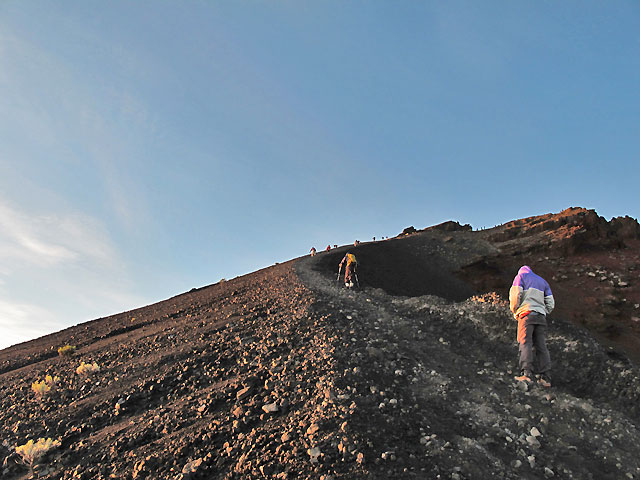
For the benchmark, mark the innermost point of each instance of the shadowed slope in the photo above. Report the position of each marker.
(421, 264)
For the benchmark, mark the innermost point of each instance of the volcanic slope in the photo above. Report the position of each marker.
(281, 374)
(592, 264)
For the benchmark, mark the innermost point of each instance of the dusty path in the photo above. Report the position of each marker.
(433, 383)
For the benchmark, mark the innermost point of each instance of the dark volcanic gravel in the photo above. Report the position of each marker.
(280, 374)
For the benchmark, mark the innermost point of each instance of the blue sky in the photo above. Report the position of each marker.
(150, 147)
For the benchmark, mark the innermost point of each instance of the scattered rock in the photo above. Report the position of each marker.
(314, 454)
(243, 393)
(191, 468)
(270, 407)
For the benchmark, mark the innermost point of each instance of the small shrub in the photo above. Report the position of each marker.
(32, 451)
(45, 386)
(493, 298)
(87, 368)
(40, 388)
(67, 351)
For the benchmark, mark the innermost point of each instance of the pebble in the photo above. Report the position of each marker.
(388, 456)
(244, 393)
(314, 453)
(533, 441)
(270, 408)
(238, 412)
(192, 467)
(313, 428)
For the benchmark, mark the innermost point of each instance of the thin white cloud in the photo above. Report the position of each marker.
(25, 239)
(58, 266)
(53, 111)
(58, 269)
(20, 322)
(46, 240)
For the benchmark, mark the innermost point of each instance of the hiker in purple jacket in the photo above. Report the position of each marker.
(531, 300)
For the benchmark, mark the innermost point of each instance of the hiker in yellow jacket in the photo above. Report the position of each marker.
(350, 269)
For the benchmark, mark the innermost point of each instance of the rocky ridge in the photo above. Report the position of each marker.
(592, 264)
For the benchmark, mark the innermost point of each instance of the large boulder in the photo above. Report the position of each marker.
(451, 226)
(408, 231)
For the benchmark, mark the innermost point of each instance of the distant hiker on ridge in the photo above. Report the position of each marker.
(313, 251)
(328, 248)
(531, 300)
(350, 269)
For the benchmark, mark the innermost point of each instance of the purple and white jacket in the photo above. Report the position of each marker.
(530, 293)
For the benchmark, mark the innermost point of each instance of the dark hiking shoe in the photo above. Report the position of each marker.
(525, 377)
(544, 381)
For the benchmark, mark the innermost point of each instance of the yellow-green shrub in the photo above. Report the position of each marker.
(32, 451)
(43, 387)
(40, 388)
(87, 368)
(67, 350)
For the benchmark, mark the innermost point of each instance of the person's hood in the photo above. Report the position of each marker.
(524, 269)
